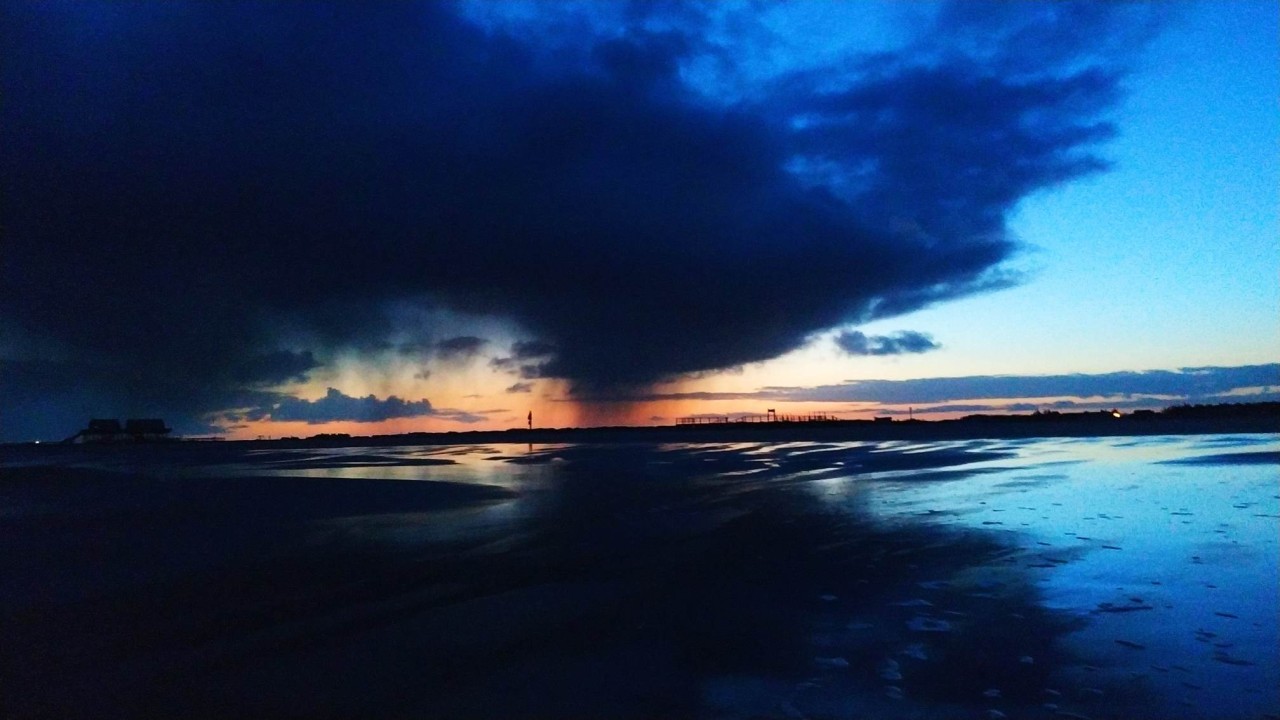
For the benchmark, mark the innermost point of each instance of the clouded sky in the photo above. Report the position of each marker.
(288, 218)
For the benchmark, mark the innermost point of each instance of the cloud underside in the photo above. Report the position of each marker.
(335, 406)
(958, 394)
(907, 342)
(184, 200)
(462, 347)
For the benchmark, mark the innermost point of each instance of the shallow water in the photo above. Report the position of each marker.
(1110, 577)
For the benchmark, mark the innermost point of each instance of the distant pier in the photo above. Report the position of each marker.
(768, 417)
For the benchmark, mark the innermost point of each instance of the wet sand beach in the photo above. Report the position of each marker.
(1019, 577)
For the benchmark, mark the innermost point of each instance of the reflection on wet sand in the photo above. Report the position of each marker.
(1073, 578)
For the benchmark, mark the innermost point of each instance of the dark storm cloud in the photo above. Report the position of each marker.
(463, 347)
(189, 185)
(336, 406)
(906, 342)
(528, 349)
(528, 360)
(1204, 384)
(525, 371)
(275, 368)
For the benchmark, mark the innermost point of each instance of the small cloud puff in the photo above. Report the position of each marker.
(335, 406)
(905, 342)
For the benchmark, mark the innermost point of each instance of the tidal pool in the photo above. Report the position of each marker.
(1111, 577)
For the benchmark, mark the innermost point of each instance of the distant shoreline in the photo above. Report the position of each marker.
(838, 431)
(972, 428)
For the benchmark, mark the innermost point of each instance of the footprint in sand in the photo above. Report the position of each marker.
(916, 651)
(891, 675)
(831, 663)
(1228, 659)
(921, 623)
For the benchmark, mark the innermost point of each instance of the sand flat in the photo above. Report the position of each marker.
(954, 578)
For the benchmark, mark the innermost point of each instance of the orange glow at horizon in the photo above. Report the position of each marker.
(474, 397)
(547, 413)
(550, 413)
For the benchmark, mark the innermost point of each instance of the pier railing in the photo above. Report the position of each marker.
(766, 418)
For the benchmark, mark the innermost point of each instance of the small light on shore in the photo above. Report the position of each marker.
(1115, 413)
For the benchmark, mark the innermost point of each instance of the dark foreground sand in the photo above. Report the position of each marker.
(1127, 577)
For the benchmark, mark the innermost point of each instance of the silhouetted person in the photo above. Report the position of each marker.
(530, 419)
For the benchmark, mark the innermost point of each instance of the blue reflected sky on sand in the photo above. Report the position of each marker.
(976, 578)
(1172, 565)
(1166, 546)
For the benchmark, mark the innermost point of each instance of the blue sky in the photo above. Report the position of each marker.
(1170, 259)
(443, 216)
(1167, 260)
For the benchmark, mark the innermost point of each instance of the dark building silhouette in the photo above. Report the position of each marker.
(146, 429)
(100, 431)
(134, 430)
